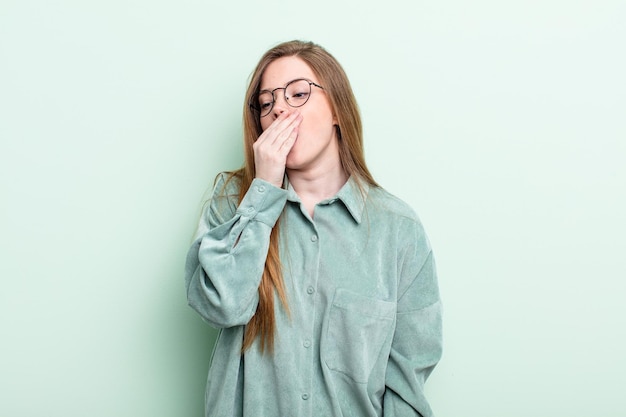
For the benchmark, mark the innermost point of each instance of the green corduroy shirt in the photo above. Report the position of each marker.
(364, 329)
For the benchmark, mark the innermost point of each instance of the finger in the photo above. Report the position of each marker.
(279, 120)
(269, 135)
(287, 136)
(288, 143)
(283, 126)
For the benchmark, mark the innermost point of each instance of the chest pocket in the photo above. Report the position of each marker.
(358, 328)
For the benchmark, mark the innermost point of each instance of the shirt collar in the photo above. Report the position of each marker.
(353, 195)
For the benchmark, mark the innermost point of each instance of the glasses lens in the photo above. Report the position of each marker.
(265, 102)
(297, 93)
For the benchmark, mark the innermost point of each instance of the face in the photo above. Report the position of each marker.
(316, 144)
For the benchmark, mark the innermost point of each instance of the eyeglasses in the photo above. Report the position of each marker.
(296, 93)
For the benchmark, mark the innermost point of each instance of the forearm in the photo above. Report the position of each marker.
(414, 354)
(225, 265)
(417, 344)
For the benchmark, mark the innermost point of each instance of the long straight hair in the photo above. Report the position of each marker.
(350, 136)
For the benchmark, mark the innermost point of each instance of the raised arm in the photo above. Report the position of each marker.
(226, 260)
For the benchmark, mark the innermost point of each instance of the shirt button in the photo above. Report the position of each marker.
(250, 210)
(305, 396)
(261, 188)
(310, 290)
(307, 344)
(314, 238)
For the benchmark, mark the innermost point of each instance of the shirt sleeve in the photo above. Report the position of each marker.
(225, 263)
(417, 343)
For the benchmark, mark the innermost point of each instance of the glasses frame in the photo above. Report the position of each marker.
(254, 102)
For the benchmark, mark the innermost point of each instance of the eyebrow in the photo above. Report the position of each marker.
(297, 78)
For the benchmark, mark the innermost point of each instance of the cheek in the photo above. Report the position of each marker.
(265, 122)
(317, 124)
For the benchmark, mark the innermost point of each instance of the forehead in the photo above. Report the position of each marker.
(283, 70)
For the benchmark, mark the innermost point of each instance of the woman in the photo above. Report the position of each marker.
(322, 283)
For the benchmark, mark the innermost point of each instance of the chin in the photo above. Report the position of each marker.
(292, 160)
(293, 163)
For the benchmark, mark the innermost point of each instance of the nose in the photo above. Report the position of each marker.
(280, 104)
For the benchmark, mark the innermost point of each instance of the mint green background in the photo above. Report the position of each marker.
(502, 123)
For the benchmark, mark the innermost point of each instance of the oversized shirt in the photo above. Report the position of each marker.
(364, 329)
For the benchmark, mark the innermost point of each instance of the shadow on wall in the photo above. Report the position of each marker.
(184, 342)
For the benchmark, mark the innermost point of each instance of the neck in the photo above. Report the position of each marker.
(321, 185)
(313, 187)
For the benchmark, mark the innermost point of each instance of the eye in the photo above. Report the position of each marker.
(298, 92)
(300, 95)
(265, 100)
